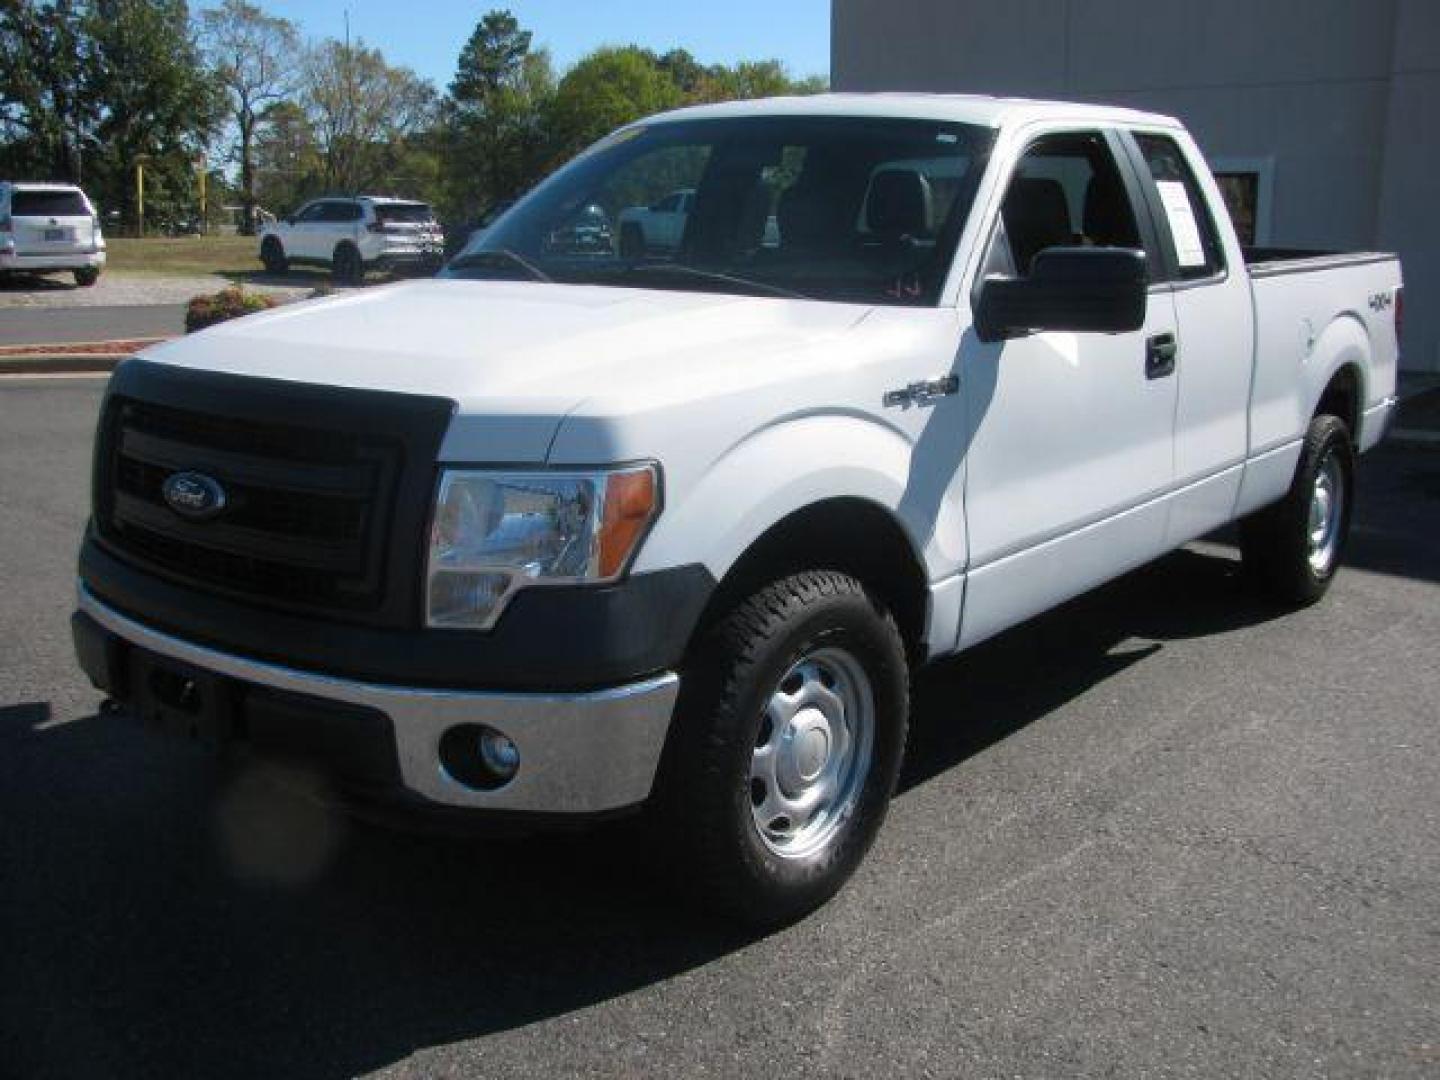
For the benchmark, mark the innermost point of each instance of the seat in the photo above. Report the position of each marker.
(1036, 217)
(900, 205)
(811, 214)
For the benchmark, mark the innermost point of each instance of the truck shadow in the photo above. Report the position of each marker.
(966, 704)
(163, 917)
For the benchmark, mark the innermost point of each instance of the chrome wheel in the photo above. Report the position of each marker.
(812, 752)
(1327, 506)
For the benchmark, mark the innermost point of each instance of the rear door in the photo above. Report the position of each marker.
(1215, 334)
(1070, 434)
(51, 221)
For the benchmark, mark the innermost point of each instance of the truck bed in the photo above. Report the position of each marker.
(1271, 261)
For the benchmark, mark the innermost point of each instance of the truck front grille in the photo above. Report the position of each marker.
(310, 515)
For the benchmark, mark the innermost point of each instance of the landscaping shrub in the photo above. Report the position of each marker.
(231, 303)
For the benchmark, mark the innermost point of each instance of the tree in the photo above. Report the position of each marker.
(47, 114)
(493, 140)
(605, 90)
(157, 104)
(365, 113)
(288, 165)
(491, 58)
(255, 59)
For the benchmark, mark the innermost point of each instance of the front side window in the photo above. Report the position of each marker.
(1184, 213)
(855, 209)
(1066, 191)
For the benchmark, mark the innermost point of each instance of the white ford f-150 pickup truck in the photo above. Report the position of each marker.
(569, 532)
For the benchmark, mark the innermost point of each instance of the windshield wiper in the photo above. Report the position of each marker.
(491, 255)
(668, 269)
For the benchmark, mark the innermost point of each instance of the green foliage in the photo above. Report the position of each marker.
(160, 106)
(231, 303)
(606, 89)
(47, 115)
(491, 139)
(506, 121)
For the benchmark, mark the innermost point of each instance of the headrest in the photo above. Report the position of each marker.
(900, 203)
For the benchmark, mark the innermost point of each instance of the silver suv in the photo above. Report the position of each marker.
(45, 228)
(353, 235)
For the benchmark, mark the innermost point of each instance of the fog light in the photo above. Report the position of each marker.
(500, 755)
(478, 757)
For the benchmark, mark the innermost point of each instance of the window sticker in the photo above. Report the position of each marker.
(1181, 215)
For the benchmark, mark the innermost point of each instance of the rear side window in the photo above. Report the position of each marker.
(1183, 211)
(48, 204)
(404, 213)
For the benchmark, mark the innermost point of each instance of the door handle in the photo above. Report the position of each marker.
(1160, 353)
(922, 393)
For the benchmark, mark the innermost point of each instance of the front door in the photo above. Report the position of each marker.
(1070, 434)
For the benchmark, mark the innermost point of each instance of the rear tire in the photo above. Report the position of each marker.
(272, 254)
(346, 266)
(1292, 549)
(787, 742)
(87, 276)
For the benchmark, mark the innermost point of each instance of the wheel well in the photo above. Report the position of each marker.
(853, 536)
(1342, 398)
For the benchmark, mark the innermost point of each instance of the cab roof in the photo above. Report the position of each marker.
(962, 108)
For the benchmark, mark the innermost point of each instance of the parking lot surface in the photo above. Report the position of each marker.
(1163, 831)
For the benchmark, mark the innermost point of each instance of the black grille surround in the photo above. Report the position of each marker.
(328, 489)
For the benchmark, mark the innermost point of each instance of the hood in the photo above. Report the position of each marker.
(516, 357)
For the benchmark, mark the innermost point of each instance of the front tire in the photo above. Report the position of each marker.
(87, 276)
(346, 266)
(788, 739)
(1292, 550)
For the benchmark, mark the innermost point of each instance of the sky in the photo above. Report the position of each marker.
(427, 35)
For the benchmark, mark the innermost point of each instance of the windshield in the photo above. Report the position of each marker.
(858, 209)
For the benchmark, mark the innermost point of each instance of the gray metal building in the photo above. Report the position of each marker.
(1321, 117)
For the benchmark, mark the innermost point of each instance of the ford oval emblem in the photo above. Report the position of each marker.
(193, 495)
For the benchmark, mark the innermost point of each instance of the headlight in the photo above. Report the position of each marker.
(495, 533)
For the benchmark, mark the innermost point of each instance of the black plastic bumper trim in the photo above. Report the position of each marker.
(549, 639)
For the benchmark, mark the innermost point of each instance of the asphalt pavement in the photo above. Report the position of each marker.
(68, 326)
(1162, 831)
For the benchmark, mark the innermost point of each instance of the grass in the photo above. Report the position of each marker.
(229, 256)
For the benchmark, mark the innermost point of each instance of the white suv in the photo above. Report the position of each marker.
(353, 235)
(50, 227)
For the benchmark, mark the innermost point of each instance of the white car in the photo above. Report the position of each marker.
(657, 227)
(562, 534)
(353, 235)
(50, 228)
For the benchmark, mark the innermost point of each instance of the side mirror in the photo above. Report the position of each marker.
(1082, 289)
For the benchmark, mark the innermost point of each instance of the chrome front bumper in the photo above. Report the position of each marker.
(581, 753)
